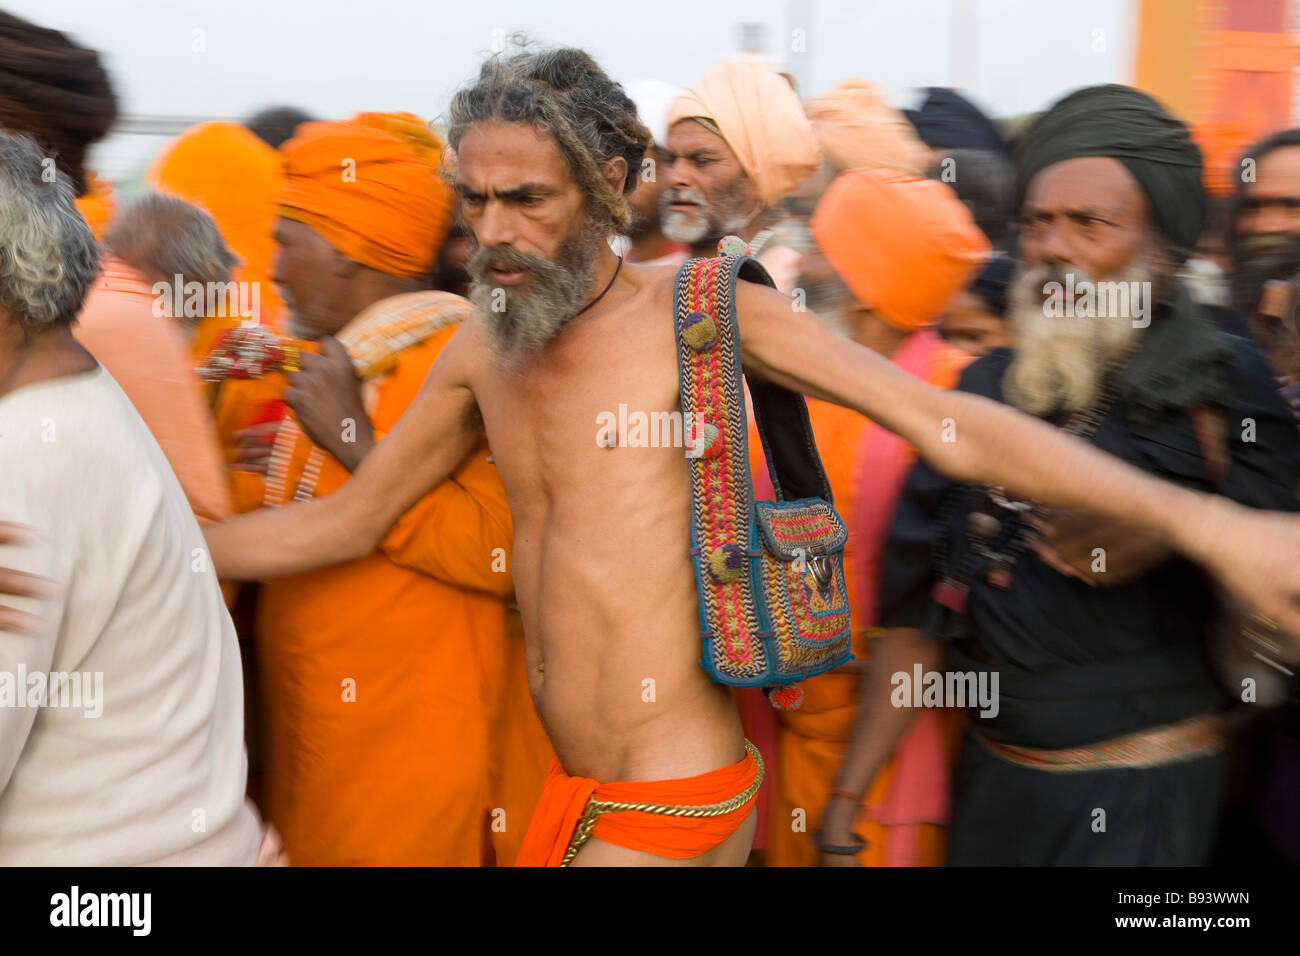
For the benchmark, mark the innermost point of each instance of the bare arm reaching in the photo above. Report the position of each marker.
(1256, 554)
(431, 439)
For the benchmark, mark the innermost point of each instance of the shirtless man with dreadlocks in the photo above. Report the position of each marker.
(547, 149)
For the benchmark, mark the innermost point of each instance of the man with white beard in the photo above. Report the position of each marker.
(740, 144)
(1108, 745)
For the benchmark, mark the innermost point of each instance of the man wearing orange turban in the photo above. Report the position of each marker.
(742, 143)
(390, 684)
(892, 250)
(382, 207)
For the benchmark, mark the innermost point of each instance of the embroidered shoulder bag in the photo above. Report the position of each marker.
(773, 604)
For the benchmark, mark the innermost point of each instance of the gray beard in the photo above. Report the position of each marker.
(1060, 362)
(725, 215)
(524, 320)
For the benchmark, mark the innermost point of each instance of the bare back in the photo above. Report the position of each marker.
(601, 563)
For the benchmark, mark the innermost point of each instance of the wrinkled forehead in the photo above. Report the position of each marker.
(498, 157)
(1086, 184)
(690, 136)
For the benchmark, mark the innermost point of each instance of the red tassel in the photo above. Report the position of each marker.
(788, 697)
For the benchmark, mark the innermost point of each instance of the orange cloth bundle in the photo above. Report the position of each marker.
(565, 799)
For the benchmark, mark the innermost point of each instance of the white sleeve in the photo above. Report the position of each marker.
(22, 652)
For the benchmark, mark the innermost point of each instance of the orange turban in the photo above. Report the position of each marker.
(762, 121)
(371, 187)
(227, 170)
(857, 128)
(904, 246)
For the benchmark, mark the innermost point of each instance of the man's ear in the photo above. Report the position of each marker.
(615, 173)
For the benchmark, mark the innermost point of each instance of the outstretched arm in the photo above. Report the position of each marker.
(430, 440)
(1256, 554)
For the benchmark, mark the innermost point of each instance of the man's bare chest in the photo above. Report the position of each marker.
(571, 416)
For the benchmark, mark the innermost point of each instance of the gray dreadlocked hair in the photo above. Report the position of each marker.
(562, 92)
(48, 258)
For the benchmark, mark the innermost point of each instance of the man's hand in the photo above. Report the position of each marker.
(433, 437)
(1070, 541)
(326, 397)
(1254, 554)
(837, 830)
(20, 584)
(254, 446)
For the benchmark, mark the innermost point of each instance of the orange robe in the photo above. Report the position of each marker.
(148, 357)
(383, 679)
(900, 829)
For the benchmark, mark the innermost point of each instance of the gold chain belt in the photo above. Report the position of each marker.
(596, 807)
(1195, 737)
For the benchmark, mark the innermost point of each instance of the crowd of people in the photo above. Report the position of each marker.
(308, 555)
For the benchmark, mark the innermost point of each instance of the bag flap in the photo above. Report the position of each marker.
(807, 528)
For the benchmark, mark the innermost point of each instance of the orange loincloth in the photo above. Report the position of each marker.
(565, 798)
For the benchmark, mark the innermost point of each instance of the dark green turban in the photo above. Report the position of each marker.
(1128, 125)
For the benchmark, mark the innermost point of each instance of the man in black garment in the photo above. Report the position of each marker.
(1105, 747)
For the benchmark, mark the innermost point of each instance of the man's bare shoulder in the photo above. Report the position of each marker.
(467, 353)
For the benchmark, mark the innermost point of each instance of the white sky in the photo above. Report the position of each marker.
(334, 57)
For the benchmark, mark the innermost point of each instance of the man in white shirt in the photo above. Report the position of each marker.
(121, 705)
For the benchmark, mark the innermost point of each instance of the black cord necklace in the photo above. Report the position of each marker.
(602, 295)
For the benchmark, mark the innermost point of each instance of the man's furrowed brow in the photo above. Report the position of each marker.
(1098, 210)
(525, 190)
(522, 191)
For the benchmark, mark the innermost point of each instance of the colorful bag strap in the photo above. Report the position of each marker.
(710, 374)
